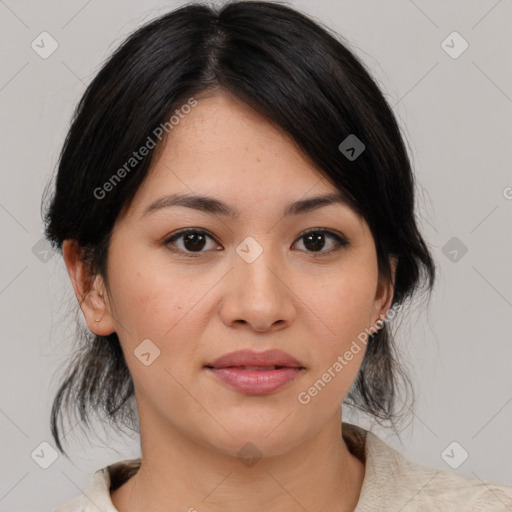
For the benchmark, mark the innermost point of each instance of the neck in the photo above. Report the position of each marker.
(318, 475)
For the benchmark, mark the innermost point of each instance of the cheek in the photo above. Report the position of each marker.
(149, 300)
(152, 303)
(343, 303)
(343, 306)
(155, 309)
(171, 307)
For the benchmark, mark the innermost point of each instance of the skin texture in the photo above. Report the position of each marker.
(197, 309)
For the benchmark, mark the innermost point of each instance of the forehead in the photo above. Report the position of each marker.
(223, 148)
(225, 137)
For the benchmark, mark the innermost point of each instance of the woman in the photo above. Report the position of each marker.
(235, 207)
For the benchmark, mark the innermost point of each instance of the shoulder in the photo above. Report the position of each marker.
(404, 485)
(97, 494)
(418, 487)
(95, 497)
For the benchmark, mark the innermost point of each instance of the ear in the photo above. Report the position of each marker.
(90, 291)
(384, 294)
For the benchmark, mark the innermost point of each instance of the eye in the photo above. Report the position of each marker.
(193, 241)
(314, 241)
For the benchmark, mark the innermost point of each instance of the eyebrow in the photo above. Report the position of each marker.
(217, 207)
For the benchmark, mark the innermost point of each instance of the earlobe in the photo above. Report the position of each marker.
(90, 291)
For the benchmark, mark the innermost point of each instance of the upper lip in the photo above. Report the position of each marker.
(246, 357)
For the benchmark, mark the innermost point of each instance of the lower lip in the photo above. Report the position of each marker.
(256, 382)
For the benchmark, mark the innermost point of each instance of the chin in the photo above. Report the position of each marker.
(253, 441)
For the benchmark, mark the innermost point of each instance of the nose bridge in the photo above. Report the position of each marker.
(257, 295)
(257, 262)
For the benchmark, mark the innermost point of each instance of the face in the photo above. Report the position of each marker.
(198, 284)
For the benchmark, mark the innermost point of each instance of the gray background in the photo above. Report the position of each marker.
(456, 116)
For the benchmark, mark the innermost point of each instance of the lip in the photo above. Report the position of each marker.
(255, 382)
(246, 357)
(231, 369)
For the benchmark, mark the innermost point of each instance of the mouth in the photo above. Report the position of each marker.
(254, 368)
(256, 373)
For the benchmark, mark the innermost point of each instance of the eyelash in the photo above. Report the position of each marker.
(340, 241)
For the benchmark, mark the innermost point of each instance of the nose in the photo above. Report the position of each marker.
(259, 293)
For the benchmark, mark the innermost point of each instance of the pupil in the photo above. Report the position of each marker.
(316, 240)
(199, 239)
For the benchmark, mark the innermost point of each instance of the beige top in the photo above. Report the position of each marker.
(391, 483)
